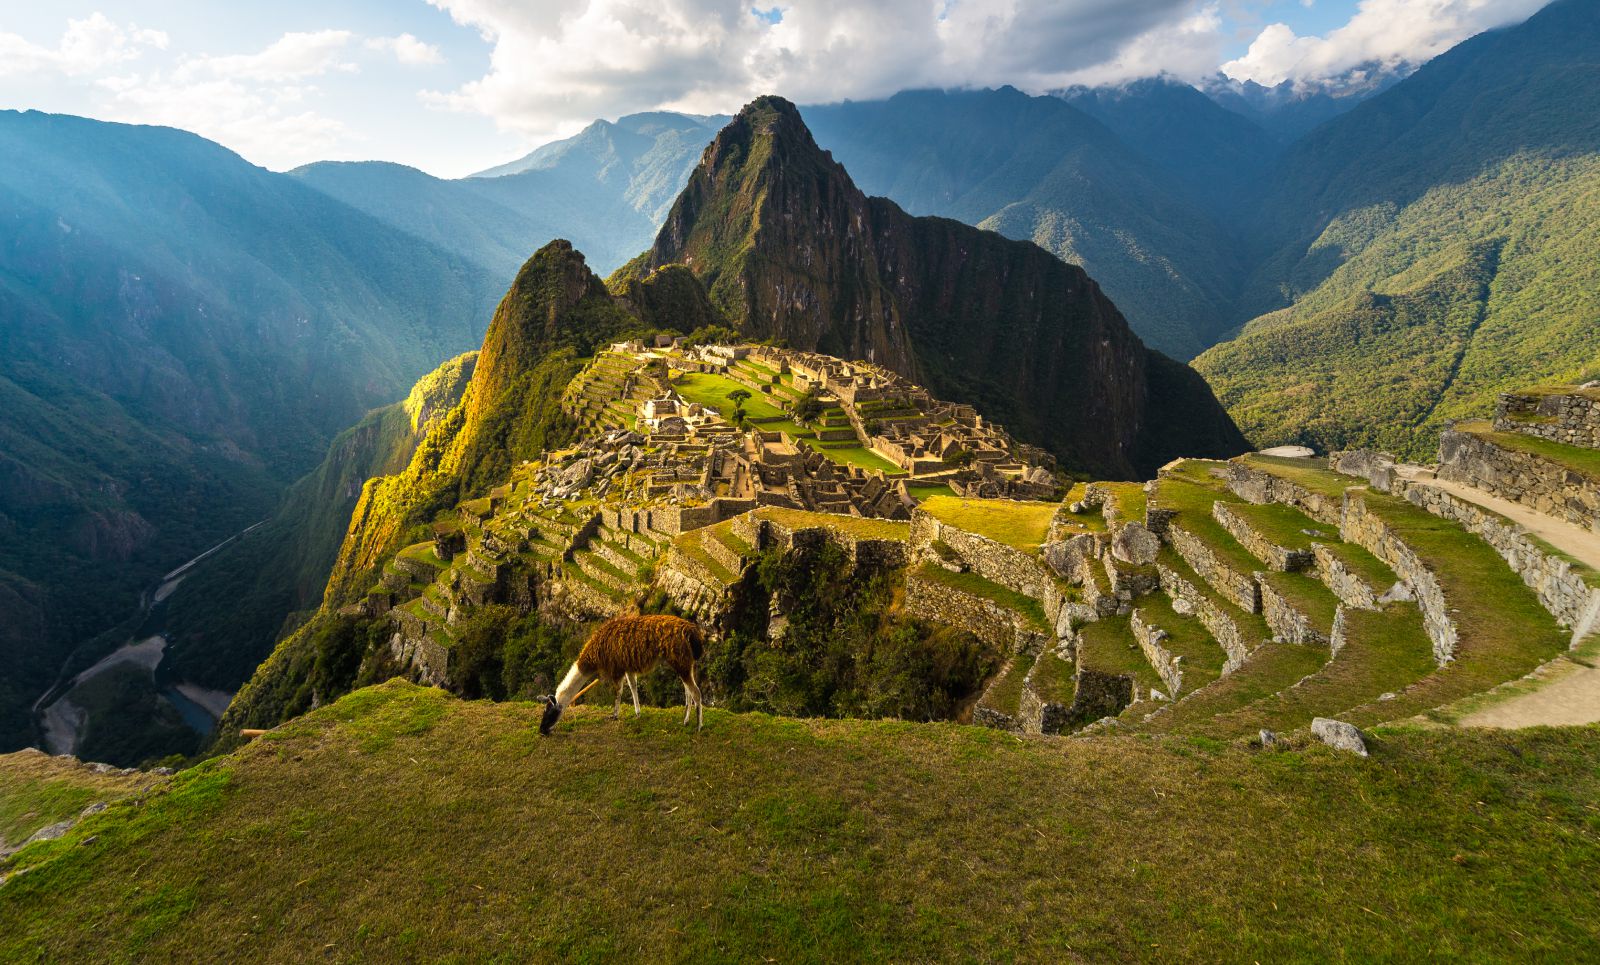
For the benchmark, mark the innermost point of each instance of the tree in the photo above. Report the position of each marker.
(809, 407)
(738, 397)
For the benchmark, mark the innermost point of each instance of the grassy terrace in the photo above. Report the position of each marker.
(723, 533)
(1251, 626)
(821, 840)
(975, 585)
(859, 456)
(1107, 645)
(1371, 570)
(1016, 523)
(1192, 491)
(712, 391)
(1584, 462)
(1387, 651)
(1005, 693)
(921, 492)
(1284, 525)
(1129, 498)
(1313, 474)
(689, 545)
(1053, 678)
(854, 526)
(1202, 656)
(1504, 632)
(1270, 668)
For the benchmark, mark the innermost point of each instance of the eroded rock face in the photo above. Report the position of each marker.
(1339, 735)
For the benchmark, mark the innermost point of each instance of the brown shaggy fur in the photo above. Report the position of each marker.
(635, 644)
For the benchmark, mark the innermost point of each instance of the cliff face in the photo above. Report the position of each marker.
(789, 248)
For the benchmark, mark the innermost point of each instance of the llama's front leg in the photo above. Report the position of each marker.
(616, 709)
(688, 703)
(633, 685)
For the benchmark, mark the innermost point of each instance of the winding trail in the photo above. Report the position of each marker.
(1565, 690)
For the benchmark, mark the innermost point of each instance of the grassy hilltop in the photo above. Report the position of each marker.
(403, 823)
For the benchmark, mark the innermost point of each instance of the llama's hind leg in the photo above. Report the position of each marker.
(633, 685)
(692, 688)
(616, 709)
(688, 702)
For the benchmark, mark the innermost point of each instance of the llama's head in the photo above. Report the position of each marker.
(552, 713)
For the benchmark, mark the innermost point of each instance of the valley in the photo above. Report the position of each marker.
(1151, 520)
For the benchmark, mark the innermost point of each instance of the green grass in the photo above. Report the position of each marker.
(1283, 525)
(923, 491)
(1107, 645)
(1015, 523)
(1387, 651)
(975, 585)
(1368, 568)
(1053, 678)
(1270, 668)
(854, 526)
(1312, 474)
(822, 840)
(712, 391)
(689, 545)
(1202, 656)
(1504, 632)
(37, 790)
(1252, 628)
(1129, 499)
(1005, 693)
(1584, 462)
(861, 457)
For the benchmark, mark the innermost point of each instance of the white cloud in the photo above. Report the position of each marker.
(1385, 33)
(408, 50)
(290, 57)
(88, 45)
(556, 66)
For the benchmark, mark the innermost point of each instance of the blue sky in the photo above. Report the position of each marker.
(453, 86)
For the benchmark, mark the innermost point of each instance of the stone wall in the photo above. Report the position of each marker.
(983, 618)
(1237, 588)
(1278, 557)
(1286, 621)
(1255, 486)
(1560, 585)
(1520, 477)
(1012, 568)
(1371, 533)
(1167, 666)
(1351, 589)
(1572, 419)
(1222, 627)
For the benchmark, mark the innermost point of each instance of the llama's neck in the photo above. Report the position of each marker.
(571, 684)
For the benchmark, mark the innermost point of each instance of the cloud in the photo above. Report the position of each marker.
(555, 66)
(1381, 33)
(256, 103)
(408, 50)
(290, 57)
(88, 45)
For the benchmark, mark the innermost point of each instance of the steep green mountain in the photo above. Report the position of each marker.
(606, 188)
(181, 333)
(1438, 247)
(223, 620)
(788, 247)
(1216, 156)
(1040, 169)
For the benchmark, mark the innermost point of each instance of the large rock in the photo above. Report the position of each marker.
(1339, 735)
(1135, 545)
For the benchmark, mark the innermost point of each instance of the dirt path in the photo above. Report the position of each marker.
(1565, 690)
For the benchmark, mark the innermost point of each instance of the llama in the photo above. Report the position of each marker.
(620, 650)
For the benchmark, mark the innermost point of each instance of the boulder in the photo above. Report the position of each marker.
(1339, 735)
(1135, 545)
